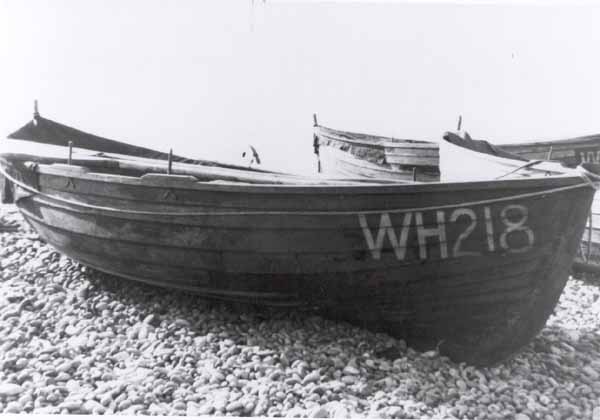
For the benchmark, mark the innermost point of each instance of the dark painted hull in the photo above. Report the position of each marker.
(429, 262)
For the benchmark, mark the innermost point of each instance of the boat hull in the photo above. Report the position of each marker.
(463, 266)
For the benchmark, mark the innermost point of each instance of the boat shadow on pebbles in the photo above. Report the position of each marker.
(79, 341)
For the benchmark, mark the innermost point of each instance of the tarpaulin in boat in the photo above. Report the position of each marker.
(481, 146)
(44, 130)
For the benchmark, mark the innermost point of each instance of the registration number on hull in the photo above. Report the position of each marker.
(474, 233)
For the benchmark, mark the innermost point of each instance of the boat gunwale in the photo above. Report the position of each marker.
(374, 141)
(563, 179)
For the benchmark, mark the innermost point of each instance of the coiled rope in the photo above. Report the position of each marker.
(585, 175)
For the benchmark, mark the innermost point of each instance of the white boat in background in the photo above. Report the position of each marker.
(478, 160)
(356, 155)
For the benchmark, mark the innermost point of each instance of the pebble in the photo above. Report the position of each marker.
(319, 412)
(588, 370)
(348, 380)
(21, 363)
(93, 407)
(10, 389)
(351, 370)
(234, 406)
(311, 377)
(78, 341)
(72, 404)
(65, 367)
(13, 407)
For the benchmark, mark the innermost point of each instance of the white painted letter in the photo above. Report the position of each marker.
(423, 234)
(386, 228)
(457, 252)
(518, 226)
(489, 228)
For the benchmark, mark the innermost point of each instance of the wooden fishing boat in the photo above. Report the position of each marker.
(346, 154)
(474, 268)
(478, 160)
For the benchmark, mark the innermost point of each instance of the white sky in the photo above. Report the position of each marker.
(209, 77)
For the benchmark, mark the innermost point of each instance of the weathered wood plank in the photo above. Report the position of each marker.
(412, 160)
(412, 152)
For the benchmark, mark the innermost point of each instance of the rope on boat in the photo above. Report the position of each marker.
(527, 165)
(586, 175)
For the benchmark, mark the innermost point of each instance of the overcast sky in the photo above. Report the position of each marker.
(207, 78)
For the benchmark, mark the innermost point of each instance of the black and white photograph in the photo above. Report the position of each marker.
(300, 209)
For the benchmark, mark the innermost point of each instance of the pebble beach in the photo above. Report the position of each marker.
(77, 341)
